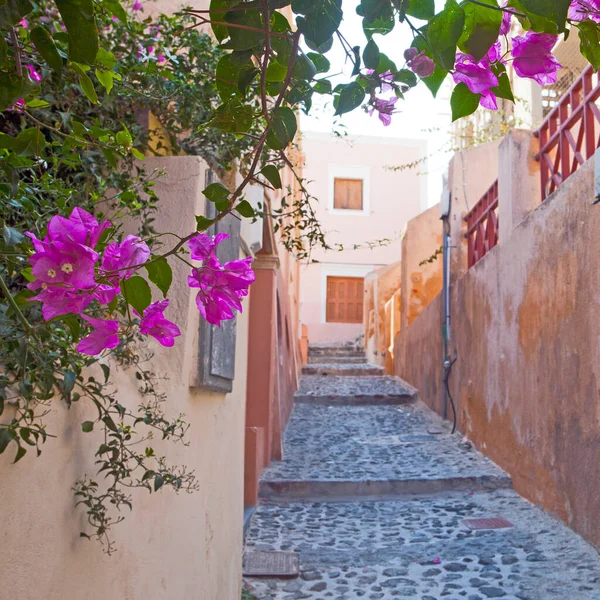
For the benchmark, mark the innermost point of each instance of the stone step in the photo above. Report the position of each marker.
(342, 369)
(342, 452)
(339, 360)
(336, 351)
(315, 490)
(355, 391)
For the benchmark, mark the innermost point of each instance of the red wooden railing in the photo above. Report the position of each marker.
(482, 226)
(570, 135)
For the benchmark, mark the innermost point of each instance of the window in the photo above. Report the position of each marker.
(345, 297)
(348, 194)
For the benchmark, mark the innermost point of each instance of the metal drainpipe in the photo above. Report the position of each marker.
(446, 331)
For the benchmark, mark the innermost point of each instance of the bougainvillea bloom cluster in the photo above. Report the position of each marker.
(72, 268)
(220, 287)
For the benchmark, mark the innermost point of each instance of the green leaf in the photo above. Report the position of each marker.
(245, 209)
(275, 71)
(6, 436)
(29, 142)
(11, 236)
(463, 101)
(37, 103)
(78, 17)
(420, 9)
(548, 16)
(283, 128)
(385, 64)
(321, 48)
(69, 379)
(503, 89)
(160, 274)
(74, 326)
(371, 55)
(322, 19)
(137, 293)
(322, 86)
(107, 420)
(482, 28)
(378, 17)
(271, 173)
(106, 59)
(406, 77)
(351, 97)
(106, 371)
(123, 137)
(137, 154)
(304, 68)
(44, 44)
(12, 11)
(3, 50)
(20, 454)
(589, 42)
(158, 482)
(435, 80)
(233, 117)
(114, 7)
(202, 223)
(12, 87)
(443, 33)
(228, 75)
(106, 79)
(244, 39)
(87, 426)
(321, 63)
(217, 16)
(216, 192)
(87, 87)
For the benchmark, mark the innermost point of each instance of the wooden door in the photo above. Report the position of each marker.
(345, 297)
(348, 194)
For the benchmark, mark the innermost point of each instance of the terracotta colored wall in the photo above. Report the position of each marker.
(170, 546)
(394, 198)
(526, 332)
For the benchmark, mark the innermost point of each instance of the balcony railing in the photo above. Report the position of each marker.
(482, 226)
(570, 135)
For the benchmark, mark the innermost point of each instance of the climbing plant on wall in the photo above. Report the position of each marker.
(74, 78)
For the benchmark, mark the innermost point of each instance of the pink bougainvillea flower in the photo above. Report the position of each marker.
(477, 77)
(17, 106)
(33, 74)
(150, 49)
(384, 108)
(105, 293)
(419, 62)
(161, 59)
(63, 264)
(124, 259)
(81, 228)
(137, 5)
(494, 54)
(221, 287)
(533, 58)
(203, 245)
(154, 323)
(60, 301)
(506, 20)
(102, 337)
(581, 10)
(24, 23)
(385, 79)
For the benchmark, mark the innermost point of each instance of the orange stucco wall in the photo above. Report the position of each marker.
(526, 332)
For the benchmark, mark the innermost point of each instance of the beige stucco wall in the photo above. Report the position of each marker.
(170, 547)
(393, 199)
(525, 330)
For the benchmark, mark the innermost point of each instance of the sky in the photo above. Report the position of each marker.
(419, 116)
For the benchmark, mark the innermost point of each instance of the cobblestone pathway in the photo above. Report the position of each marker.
(349, 497)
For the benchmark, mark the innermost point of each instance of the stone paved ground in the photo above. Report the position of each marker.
(406, 545)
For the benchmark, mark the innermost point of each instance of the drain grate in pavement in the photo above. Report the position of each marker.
(488, 523)
(263, 563)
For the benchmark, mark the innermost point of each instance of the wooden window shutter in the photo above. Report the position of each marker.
(345, 297)
(348, 194)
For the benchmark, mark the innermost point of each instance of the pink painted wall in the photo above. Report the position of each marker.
(393, 198)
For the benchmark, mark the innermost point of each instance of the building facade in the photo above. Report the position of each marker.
(362, 206)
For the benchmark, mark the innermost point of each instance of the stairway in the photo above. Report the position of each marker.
(376, 494)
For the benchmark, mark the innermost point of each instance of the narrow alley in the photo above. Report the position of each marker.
(381, 501)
